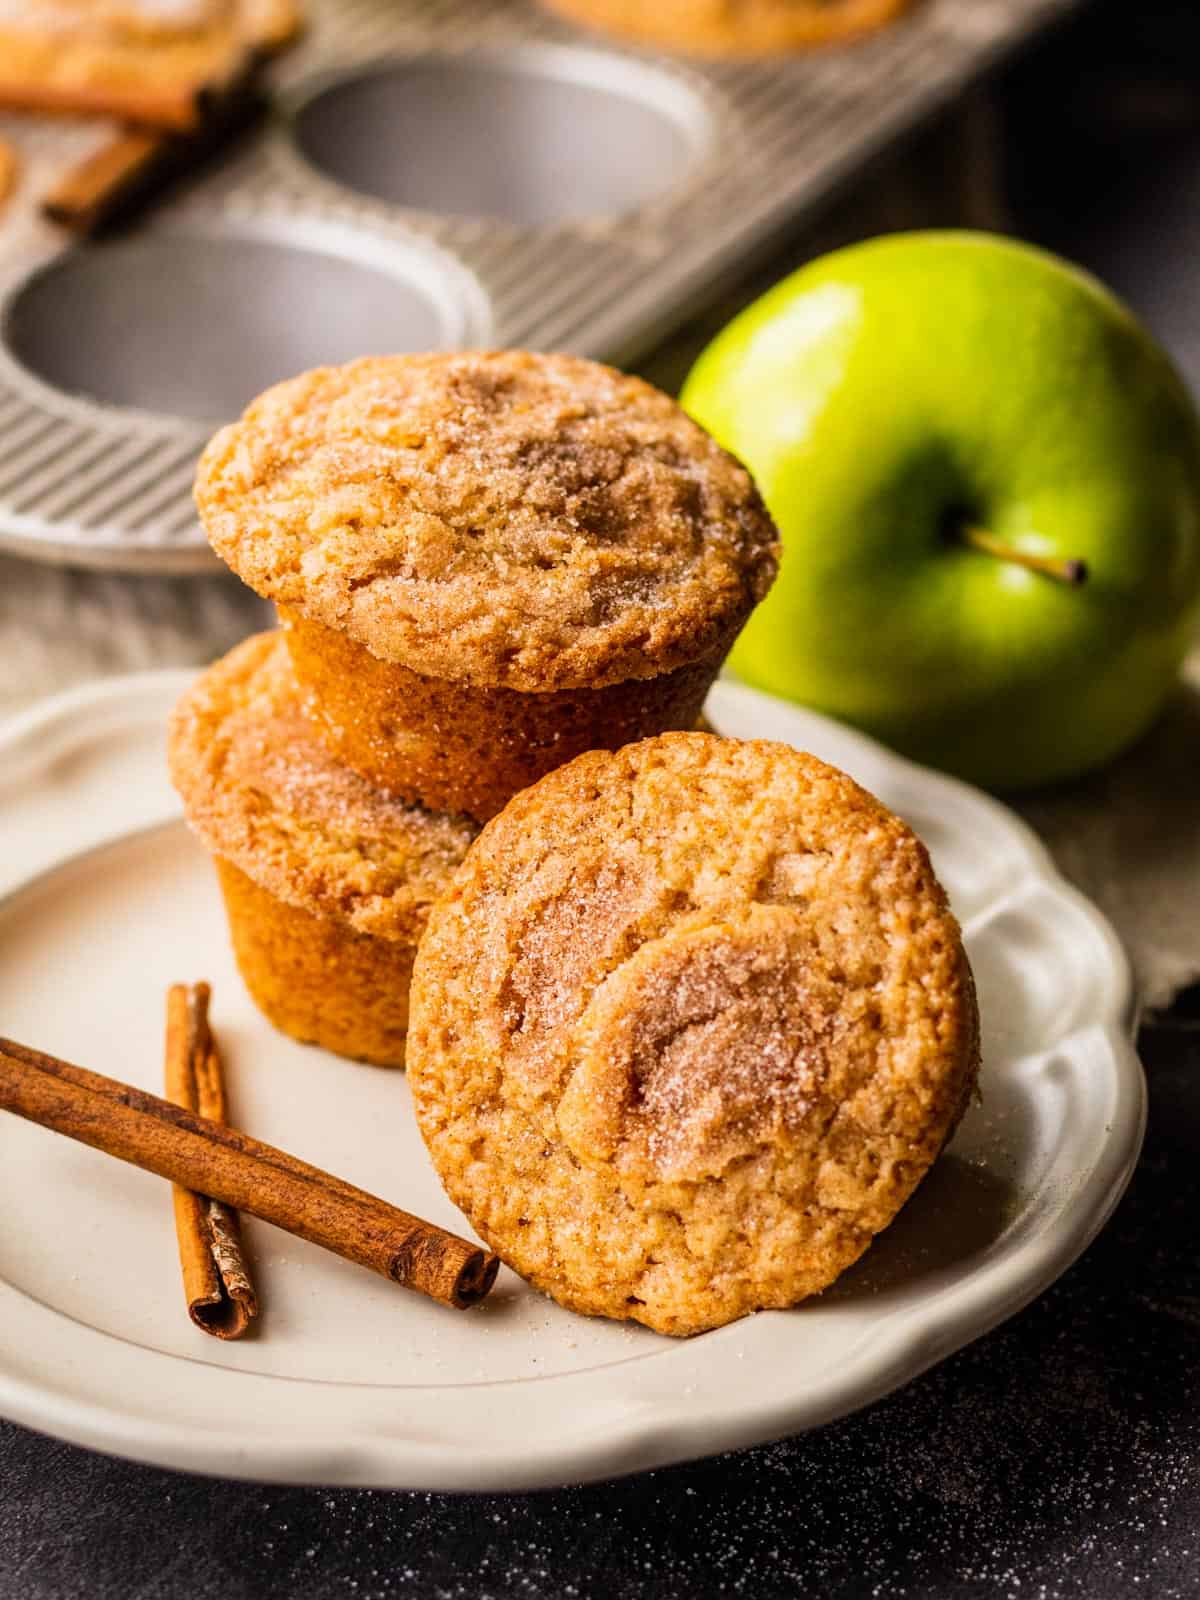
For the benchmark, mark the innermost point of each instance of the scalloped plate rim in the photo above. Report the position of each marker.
(648, 1434)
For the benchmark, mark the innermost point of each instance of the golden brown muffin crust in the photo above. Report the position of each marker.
(315, 977)
(262, 791)
(688, 1029)
(454, 746)
(735, 27)
(529, 521)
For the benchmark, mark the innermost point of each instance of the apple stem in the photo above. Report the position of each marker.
(1074, 573)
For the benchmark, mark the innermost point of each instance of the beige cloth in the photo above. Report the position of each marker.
(1129, 837)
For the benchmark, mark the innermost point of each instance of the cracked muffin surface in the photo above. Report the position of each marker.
(535, 522)
(688, 1029)
(264, 794)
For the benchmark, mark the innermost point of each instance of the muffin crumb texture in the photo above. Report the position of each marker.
(317, 979)
(527, 521)
(264, 794)
(689, 1028)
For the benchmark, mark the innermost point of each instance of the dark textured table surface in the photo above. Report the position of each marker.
(1060, 1456)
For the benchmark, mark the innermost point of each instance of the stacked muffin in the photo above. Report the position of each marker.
(485, 564)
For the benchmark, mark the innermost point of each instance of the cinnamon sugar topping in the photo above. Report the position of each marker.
(691, 1025)
(262, 791)
(528, 521)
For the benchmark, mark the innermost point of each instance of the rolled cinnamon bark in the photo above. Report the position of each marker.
(253, 1177)
(216, 1281)
(131, 171)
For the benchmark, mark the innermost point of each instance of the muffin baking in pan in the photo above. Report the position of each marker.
(735, 27)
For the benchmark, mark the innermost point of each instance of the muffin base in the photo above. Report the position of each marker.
(745, 27)
(319, 980)
(465, 748)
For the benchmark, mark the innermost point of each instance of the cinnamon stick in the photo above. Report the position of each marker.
(216, 1283)
(138, 163)
(105, 182)
(203, 1155)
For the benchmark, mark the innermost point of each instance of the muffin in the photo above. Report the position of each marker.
(688, 1029)
(327, 882)
(487, 563)
(734, 27)
(138, 60)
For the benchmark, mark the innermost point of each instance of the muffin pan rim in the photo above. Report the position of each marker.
(461, 303)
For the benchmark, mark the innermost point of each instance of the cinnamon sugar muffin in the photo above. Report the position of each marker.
(327, 883)
(689, 1028)
(487, 562)
(734, 27)
(140, 60)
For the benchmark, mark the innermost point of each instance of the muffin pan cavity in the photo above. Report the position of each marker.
(192, 321)
(531, 135)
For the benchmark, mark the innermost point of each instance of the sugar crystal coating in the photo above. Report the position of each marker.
(530, 521)
(688, 1029)
(263, 792)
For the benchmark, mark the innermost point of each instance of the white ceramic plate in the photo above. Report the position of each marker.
(106, 899)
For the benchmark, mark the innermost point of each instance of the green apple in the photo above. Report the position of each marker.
(987, 479)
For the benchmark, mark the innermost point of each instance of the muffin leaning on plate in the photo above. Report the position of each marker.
(688, 1029)
(327, 882)
(734, 27)
(487, 562)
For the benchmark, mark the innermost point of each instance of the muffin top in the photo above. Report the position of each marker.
(261, 790)
(688, 1029)
(534, 522)
(721, 27)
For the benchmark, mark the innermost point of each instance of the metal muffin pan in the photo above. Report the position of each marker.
(530, 135)
(189, 319)
(439, 174)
